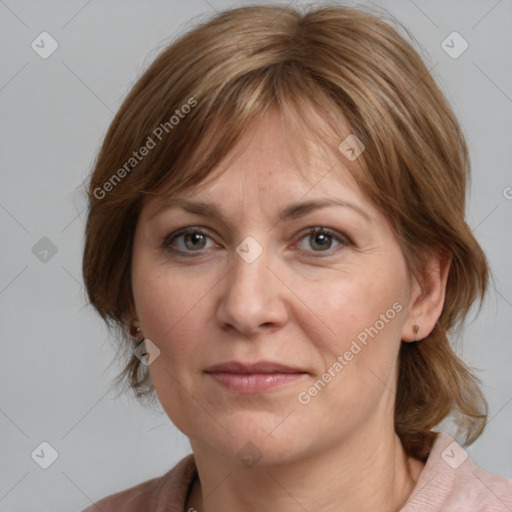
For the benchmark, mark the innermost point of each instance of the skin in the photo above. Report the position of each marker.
(301, 303)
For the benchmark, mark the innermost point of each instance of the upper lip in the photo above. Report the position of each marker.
(257, 367)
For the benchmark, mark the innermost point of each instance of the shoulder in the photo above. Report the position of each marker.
(451, 481)
(170, 489)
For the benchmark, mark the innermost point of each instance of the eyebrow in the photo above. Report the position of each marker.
(293, 211)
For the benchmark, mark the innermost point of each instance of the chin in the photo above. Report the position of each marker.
(257, 438)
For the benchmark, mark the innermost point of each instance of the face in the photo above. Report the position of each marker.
(277, 301)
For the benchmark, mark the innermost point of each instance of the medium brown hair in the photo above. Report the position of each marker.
(351, 69)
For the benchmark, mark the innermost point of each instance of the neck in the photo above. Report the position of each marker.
(371, 472)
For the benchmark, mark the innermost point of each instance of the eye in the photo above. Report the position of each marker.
(320, 239)
(188, 240)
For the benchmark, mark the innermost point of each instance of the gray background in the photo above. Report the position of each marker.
(56, 356)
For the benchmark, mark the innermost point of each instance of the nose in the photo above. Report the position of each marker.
(252, 298)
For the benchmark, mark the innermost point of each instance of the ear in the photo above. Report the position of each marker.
(427, 298)
(133, 323)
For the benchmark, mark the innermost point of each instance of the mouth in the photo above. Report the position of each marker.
(254, 378)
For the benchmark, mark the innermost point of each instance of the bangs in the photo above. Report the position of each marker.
(214, 135)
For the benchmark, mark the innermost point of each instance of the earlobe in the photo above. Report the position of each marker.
(133, 323)
(427, 300)
(135, 329)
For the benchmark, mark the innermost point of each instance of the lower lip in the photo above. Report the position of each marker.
(254, 382)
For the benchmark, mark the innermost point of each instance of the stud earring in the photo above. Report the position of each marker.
(135, 331)
(415, 329)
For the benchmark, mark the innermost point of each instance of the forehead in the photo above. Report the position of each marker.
(273, 159)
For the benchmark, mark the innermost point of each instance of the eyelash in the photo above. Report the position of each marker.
(343, 241)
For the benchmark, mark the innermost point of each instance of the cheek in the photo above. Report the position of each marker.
(363, 317)
(353, 306)
(168, 300)
(173, 314)
(360, 352)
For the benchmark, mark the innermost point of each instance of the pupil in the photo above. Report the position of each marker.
(321, 241)
(195, 241)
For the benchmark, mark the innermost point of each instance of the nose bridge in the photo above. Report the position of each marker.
(249, 266)
(248, 275)
(251, 296)
(250, 281)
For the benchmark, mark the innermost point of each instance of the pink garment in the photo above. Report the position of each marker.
(449, 482)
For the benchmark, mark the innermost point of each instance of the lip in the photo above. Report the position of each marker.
(253, 378)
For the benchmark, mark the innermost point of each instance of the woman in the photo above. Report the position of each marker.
(276, 226)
